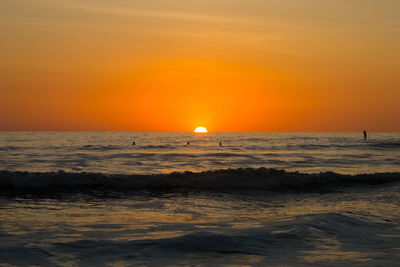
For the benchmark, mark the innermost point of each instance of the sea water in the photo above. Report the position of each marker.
(154, 153)
(258, 199)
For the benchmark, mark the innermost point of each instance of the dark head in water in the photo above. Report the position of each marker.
(134, 143)
(188, 143)
(365, 135)
(220, 143)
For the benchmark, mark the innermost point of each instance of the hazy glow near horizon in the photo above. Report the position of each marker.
(273, 65)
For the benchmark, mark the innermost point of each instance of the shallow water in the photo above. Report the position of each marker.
(354, 226)
(136, 214)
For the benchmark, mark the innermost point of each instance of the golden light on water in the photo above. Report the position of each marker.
(200, 130)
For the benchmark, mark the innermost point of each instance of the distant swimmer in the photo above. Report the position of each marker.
(134, 144)
(220, 143)
(188, 143)
(365, 135)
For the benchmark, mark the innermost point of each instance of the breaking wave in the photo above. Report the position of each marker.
(229, 179)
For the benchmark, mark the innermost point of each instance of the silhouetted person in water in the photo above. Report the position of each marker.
(365, 135)
(220, 144)
(134, 144)
(188, 143)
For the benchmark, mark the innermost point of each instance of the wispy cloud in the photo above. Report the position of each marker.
(154, 13)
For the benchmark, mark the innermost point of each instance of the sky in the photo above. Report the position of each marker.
(173, 65)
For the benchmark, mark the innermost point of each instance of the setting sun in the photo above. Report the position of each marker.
(200, 130)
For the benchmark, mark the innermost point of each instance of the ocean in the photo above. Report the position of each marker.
(186, 199)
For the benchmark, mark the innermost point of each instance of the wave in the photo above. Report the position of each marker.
(98, 147)
(228, 179)
(115, 147)
(385, 145)
(345, 238)
(157, 147)
(11, 148)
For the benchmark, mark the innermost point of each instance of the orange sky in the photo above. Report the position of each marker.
(173, 65)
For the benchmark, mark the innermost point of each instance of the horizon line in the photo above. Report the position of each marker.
(129, 131)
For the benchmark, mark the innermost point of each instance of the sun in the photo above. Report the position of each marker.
(200, 130)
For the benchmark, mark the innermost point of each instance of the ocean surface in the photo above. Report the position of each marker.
(182, 199)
